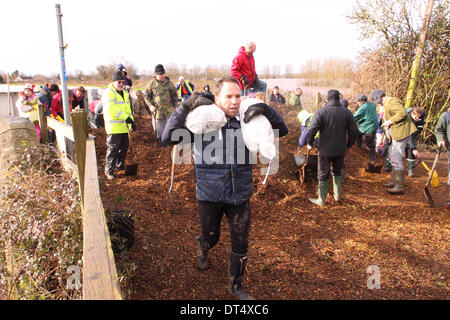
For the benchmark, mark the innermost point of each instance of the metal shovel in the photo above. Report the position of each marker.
(171, 202)
(154, 122)
(374, 164)
(430, 176)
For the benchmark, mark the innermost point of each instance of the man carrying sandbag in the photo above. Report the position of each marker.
(224, 185)
(333, 122)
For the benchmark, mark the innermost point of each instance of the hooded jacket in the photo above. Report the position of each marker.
(367, 117)
(224, 177)
(277, 98)
(243, 64)
(45, 98)
(334, 122)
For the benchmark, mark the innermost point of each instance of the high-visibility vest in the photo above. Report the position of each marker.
(116, 109)
(180, 89)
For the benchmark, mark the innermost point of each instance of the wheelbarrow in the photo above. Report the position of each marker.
(307, 165)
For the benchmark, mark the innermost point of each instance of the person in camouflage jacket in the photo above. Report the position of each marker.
(161, 97)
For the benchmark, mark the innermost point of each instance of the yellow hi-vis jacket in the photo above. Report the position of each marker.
(116, 110)
(180, 89)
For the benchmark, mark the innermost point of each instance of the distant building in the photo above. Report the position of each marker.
(23, 79)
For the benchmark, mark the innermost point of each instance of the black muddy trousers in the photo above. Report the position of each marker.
(323, 168)
(117, 145)
(238, 217)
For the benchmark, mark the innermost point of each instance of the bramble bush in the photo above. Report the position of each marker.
(40, 228)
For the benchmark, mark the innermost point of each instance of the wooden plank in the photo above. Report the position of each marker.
(78, 118)
(58, 126)
(100, 280)
(43, 123)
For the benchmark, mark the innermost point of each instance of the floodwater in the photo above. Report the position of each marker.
(309, 92)
(287, 84)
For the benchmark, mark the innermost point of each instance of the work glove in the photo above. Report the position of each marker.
(243, 79)
(129, 120)
(133, 125)
(254, 110)
(198, 99)
(308, 147)
(132, 128)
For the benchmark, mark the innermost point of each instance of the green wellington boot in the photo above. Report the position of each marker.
(323, 190)
(337, 187)
(399, 180)
(391, 183)
(410, 164)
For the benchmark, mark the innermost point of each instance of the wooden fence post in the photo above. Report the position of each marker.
(78, 118)
(317, 101)
(43, 123)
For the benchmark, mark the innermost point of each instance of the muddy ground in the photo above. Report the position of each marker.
(297, 250)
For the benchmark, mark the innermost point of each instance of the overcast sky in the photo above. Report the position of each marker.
(191, 32)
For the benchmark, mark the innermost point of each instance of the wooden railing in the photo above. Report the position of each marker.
(100, 279)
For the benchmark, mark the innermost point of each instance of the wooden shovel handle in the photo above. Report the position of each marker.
(303, 168)
(130, 145)
(436, 159)
(174, 150)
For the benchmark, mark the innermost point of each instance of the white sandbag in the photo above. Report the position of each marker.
(257, 133)
(204, 119)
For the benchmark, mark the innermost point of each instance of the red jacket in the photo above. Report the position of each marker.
(243, 64)
(57, 105)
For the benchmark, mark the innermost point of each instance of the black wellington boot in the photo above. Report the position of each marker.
(202, 261)
(237, 270)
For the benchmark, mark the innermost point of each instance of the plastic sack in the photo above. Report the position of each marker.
(257, 133)
(206, 118)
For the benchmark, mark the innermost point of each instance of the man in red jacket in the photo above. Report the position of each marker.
(243, 70)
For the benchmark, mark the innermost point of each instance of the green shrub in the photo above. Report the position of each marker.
(41, 225)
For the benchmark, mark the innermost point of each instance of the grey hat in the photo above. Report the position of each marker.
(361, 97)
(376, 96)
